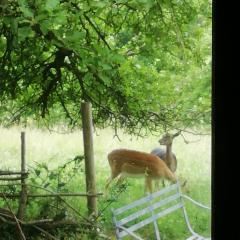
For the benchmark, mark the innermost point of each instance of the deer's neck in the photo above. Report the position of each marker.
(169, 154)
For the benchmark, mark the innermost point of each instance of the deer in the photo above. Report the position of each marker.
(166, 154)
(131, 163)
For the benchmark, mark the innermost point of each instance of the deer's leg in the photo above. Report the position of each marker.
(157, 187)
(148, 184)
(163, 183)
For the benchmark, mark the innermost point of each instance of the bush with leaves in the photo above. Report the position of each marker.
(62, 219)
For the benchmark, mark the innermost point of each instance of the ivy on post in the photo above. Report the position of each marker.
(89, 157)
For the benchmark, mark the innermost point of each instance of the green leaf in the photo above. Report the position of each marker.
(41, 16)
(61, 18)
(78, 158)
(61, 184)
(45, 26)
(51, 4)
(52, 176)
(76, 36)
(106, 66)
(147, 3)
(24, 32)
(98, 4)
(88, 77)
(118, 58)
(27, 12)
(37, 172)
(105, 78)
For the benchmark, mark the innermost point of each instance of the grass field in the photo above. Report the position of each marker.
(194, 165)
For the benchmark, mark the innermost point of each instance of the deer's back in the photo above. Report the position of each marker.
(125, 156)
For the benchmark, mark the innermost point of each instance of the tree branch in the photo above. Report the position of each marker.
(16, 220)
(97, 31)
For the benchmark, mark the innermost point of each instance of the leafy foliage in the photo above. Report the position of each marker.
(56, 179)
(54, 210)
(143, 64)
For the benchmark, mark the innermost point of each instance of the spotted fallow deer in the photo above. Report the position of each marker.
(130, 163)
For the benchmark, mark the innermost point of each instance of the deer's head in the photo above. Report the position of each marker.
(167, 138)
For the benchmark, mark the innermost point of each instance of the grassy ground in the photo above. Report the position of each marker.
(194, 165)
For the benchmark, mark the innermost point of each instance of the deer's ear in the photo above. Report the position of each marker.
(177, 134)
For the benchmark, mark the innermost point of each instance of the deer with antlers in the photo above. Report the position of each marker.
(131, 163)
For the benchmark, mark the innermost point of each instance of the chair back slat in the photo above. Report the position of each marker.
(148, 209)
(145, 199)
(151, 219)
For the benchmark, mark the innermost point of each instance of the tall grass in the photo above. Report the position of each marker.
(54, 149)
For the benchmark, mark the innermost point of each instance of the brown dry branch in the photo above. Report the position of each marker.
(3, 217)
(43, 224)
(52, 192)
(21, 234)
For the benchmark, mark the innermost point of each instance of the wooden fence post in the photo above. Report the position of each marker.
(89, 157)
(23, 194)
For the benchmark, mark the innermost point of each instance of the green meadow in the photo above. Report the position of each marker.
(53, 149)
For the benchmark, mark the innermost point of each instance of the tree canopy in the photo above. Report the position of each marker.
(143, 64)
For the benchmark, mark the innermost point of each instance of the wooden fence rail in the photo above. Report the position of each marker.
(22, 175)
(3, 173)
(10, 195)
(12, 178)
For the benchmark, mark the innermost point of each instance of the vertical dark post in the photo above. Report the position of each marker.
(89, 158)
(23, 195)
